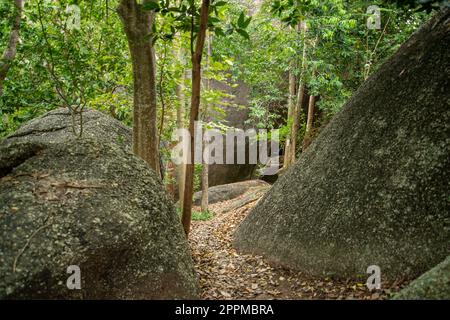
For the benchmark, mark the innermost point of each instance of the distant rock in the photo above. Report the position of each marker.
(432, 285)
(373, 188)
(86, 202)
(228, 191)
(220, 174)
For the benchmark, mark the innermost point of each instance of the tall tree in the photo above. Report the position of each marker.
(290, 120)
(300, 93)
(205, 169)
(193, 116)
(309, 122)
(138, 24)
(295, 104)
(181, 173)
(11, 48)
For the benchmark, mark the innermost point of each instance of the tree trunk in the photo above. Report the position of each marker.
(312, 102)
(205, 199)
(291, 106)
(309, 121)
(205, 168)
(300, 93)
(193, 117)
(11, 49)
(138, 24)
(180, 125)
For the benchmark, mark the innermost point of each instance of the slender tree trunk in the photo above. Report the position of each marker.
(138, 25)
(205, 168)
(309, 122)
(170, 185)
(11, 49)
(180, 125)
(193, 117)
(291, 106)
(312, 102)
(205, 199)
(300, 93)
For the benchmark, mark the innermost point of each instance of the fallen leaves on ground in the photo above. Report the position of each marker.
(226, 274)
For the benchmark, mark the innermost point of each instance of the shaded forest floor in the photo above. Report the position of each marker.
(226, 274)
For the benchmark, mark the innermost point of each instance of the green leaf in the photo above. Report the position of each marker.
(243, 33)
(213, 20)
(247, 22)
(220, 3)
(229, 31)
(151, 6)
(219, 32)
(241, 20)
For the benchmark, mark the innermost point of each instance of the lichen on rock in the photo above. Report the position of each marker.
(91, 203)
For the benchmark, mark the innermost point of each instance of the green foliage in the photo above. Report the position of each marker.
(339, 49)
(202, 216)
(184, 17)
(117, 104)
(90, 65)
(420, 5)
(199, 216)
(58, 66)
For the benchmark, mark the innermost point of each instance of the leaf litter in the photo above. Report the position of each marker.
(227, 274)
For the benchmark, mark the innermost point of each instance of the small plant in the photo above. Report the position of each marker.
(198, 215)
(202, 216)
(198, 177)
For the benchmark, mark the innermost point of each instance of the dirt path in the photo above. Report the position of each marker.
(226, 274)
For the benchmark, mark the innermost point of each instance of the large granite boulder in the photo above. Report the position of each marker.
(432, 285)
(89, 203)
(60, 124)
(373, 188)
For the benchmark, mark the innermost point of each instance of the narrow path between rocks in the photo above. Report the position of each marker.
(226, 274)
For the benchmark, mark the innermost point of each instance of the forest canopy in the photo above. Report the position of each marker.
(91, 63)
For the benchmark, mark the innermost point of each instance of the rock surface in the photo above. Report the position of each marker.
(220, 174)
(228, 191)
(432, 285)
(373, 188)
(58, 125)
(86, 202)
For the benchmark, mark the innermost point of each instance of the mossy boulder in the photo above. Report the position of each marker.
(90, 203)
(373, 188)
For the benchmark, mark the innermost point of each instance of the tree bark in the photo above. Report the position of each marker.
(138, 24)
(205, 199)
(291, 106)
(11, 49)
(193, 117)
(312, 101)
(205, 168)
(180, 125)
(300, 93)
(309, 121)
